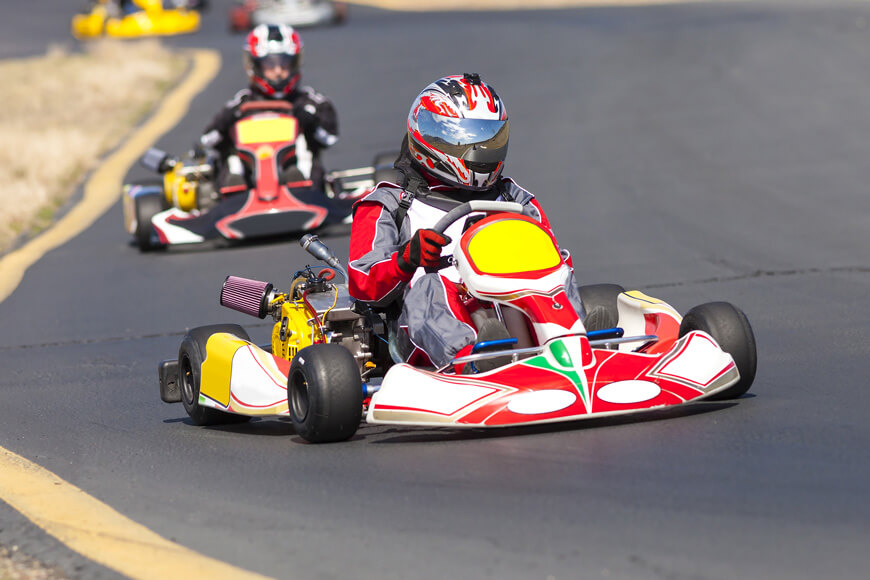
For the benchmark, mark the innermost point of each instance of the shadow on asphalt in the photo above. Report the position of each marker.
(391, 435)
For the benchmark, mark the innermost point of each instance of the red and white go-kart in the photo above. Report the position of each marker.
(329, 365)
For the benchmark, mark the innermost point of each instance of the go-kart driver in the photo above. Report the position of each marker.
(273, 58)
(119, 8)
(454, 152)
(124, 7)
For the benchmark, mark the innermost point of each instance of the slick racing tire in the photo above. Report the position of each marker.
(728, 326)
(384, 171)
(599, 300)
(324, 393)
(191, 355)
(147, 205)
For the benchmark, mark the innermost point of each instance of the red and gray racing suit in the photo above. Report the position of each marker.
(437, 324)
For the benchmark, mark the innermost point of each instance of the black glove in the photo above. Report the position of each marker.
(423, 249)
(198, 151)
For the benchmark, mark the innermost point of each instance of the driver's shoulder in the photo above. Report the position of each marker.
(240, 97)
(307, 93)
(386, 194)
(514, 192)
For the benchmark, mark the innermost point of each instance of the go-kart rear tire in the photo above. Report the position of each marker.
(599, 300)
(191, 355)
(728, 326)
(384, 171)
(147, 205)
(324, 393)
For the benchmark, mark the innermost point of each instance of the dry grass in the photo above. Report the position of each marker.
(61, 112)
(16, 566)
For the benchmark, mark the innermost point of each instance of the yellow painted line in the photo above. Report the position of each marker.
(97, 531)
(470, 5)
(104, 186)
(81, 522)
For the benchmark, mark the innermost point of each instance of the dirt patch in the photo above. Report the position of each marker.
(16, 566)
(61, 112)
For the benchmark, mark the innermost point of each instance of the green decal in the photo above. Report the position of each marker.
(560, 353)
(541, 362)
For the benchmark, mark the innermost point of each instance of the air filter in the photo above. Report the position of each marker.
(247, 296)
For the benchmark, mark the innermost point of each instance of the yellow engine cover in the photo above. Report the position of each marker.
(295, 330)
(180, 191)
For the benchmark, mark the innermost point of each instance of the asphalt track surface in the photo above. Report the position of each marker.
(698, 153)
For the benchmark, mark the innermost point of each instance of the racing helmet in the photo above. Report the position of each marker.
(458, 132)
(271, 46)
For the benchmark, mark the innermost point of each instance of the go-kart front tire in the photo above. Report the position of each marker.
(729, 327)
(599, 300)
(191, 355)
(147, 205)
(324, 393)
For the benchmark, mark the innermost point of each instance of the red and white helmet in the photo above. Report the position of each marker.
(273, 45)
(458, 131)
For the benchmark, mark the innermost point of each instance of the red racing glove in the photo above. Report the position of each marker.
(423, 249)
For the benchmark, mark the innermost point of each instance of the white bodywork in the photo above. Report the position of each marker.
(294, 12)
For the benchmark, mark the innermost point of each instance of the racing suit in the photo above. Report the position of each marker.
(435, 325)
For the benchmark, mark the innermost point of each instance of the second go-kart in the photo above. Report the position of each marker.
(137, 18)
(329, 365)
(272, 198)
(246, 14)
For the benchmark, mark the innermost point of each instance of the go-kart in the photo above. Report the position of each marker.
(148, 18)
(269, 197)
(332, 359)
(246, 14)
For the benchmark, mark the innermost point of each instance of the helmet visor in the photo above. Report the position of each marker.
(481, 141)
(272, 63)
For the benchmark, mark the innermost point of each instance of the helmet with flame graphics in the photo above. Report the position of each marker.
(458, 132)
(273, 59)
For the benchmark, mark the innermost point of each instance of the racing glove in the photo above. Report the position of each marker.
(423, 249)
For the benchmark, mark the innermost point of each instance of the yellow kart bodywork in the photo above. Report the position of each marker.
(151, 20)
(243, 378)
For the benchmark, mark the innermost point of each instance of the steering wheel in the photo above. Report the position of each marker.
(460, 211)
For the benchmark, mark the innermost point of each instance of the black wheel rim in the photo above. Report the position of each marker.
(186, 376)
(298, 396)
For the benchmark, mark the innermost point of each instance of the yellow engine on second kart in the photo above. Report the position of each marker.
(181, 187)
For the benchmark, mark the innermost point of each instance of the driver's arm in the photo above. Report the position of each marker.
(374, 273)
(318, 118)
(216, 134)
